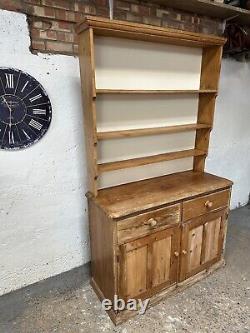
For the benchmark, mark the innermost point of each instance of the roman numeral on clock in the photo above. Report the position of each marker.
(39, 112)
(35, 124)
(9, 81)
(24, 86)
(32, 99)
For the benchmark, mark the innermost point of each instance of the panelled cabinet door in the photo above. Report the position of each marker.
(202, 243)
(149, 264)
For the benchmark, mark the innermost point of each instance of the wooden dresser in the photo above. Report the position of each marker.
(153, 231)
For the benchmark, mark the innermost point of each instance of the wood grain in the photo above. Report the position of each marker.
(135, 197)
(87, 70)
(212, 233)
(161, 261)
(202, 243)
(150, 131)
(103, 251)
(157, 92)
(194, 247)
(195, 207)
(210, 73)
(135, 162)
(138, 226)
(137, 31)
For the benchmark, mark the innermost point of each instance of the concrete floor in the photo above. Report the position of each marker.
(220, 303)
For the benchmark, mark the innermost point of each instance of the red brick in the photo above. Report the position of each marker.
(142, 10)
(65, 37)
(62, 26)
(59, 47)
(102, 11)
(151, 20)
(14, 5)
(65, 15)
(133, 18)
(75, 48)
(63, 4)
(48, 34)
(35, 33)
(101, 3)
(33, 2)
(44, 12)
(122, 5)
(37, 24)
(90, 9)
(38, 45)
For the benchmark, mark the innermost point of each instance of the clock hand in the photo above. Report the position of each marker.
(10, 124)
(7, 104)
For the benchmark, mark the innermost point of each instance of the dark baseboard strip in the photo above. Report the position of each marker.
(15, 302)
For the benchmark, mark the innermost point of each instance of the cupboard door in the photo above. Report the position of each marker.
(149, 264)
(202, 243)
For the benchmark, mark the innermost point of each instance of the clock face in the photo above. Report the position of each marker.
(25, 109)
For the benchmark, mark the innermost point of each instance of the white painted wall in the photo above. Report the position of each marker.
(229, 154)
(43, 219)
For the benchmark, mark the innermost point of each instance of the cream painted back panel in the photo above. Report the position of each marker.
(131, 64)
(138, 65)
(129, 175)
(120, 112)
(126, 148)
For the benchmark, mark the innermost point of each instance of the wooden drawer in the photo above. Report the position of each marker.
(144, 224)
(202, 205)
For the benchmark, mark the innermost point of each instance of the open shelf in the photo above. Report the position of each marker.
(150, 131)
(135, 162)
(170, 92)
(208, 8)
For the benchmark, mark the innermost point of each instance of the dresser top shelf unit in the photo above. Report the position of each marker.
(127, 199)
(95, 91)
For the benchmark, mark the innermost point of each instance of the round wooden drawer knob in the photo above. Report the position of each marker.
(176, 254)
(152, 222)
(208, 204)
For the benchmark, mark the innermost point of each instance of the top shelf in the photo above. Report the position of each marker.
(138, 31)
(209, 8)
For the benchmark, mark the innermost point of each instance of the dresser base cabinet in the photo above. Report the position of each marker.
(150, 252)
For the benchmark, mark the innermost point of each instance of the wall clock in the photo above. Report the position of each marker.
(25, 109)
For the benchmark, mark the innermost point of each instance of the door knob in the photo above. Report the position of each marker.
(176, 254)
(184, 252)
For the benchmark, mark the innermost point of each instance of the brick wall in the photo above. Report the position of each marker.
(52, 22)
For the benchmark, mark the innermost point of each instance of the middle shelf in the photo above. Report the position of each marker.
(150, 131)
(135, 162)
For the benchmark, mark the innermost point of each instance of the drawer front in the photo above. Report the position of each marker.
(144, 224)
(202, 205)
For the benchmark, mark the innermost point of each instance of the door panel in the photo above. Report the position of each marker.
(136, 271)
(194, 246)
(161, 261)
(149, 264)
(202, 243)
(212, 233)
